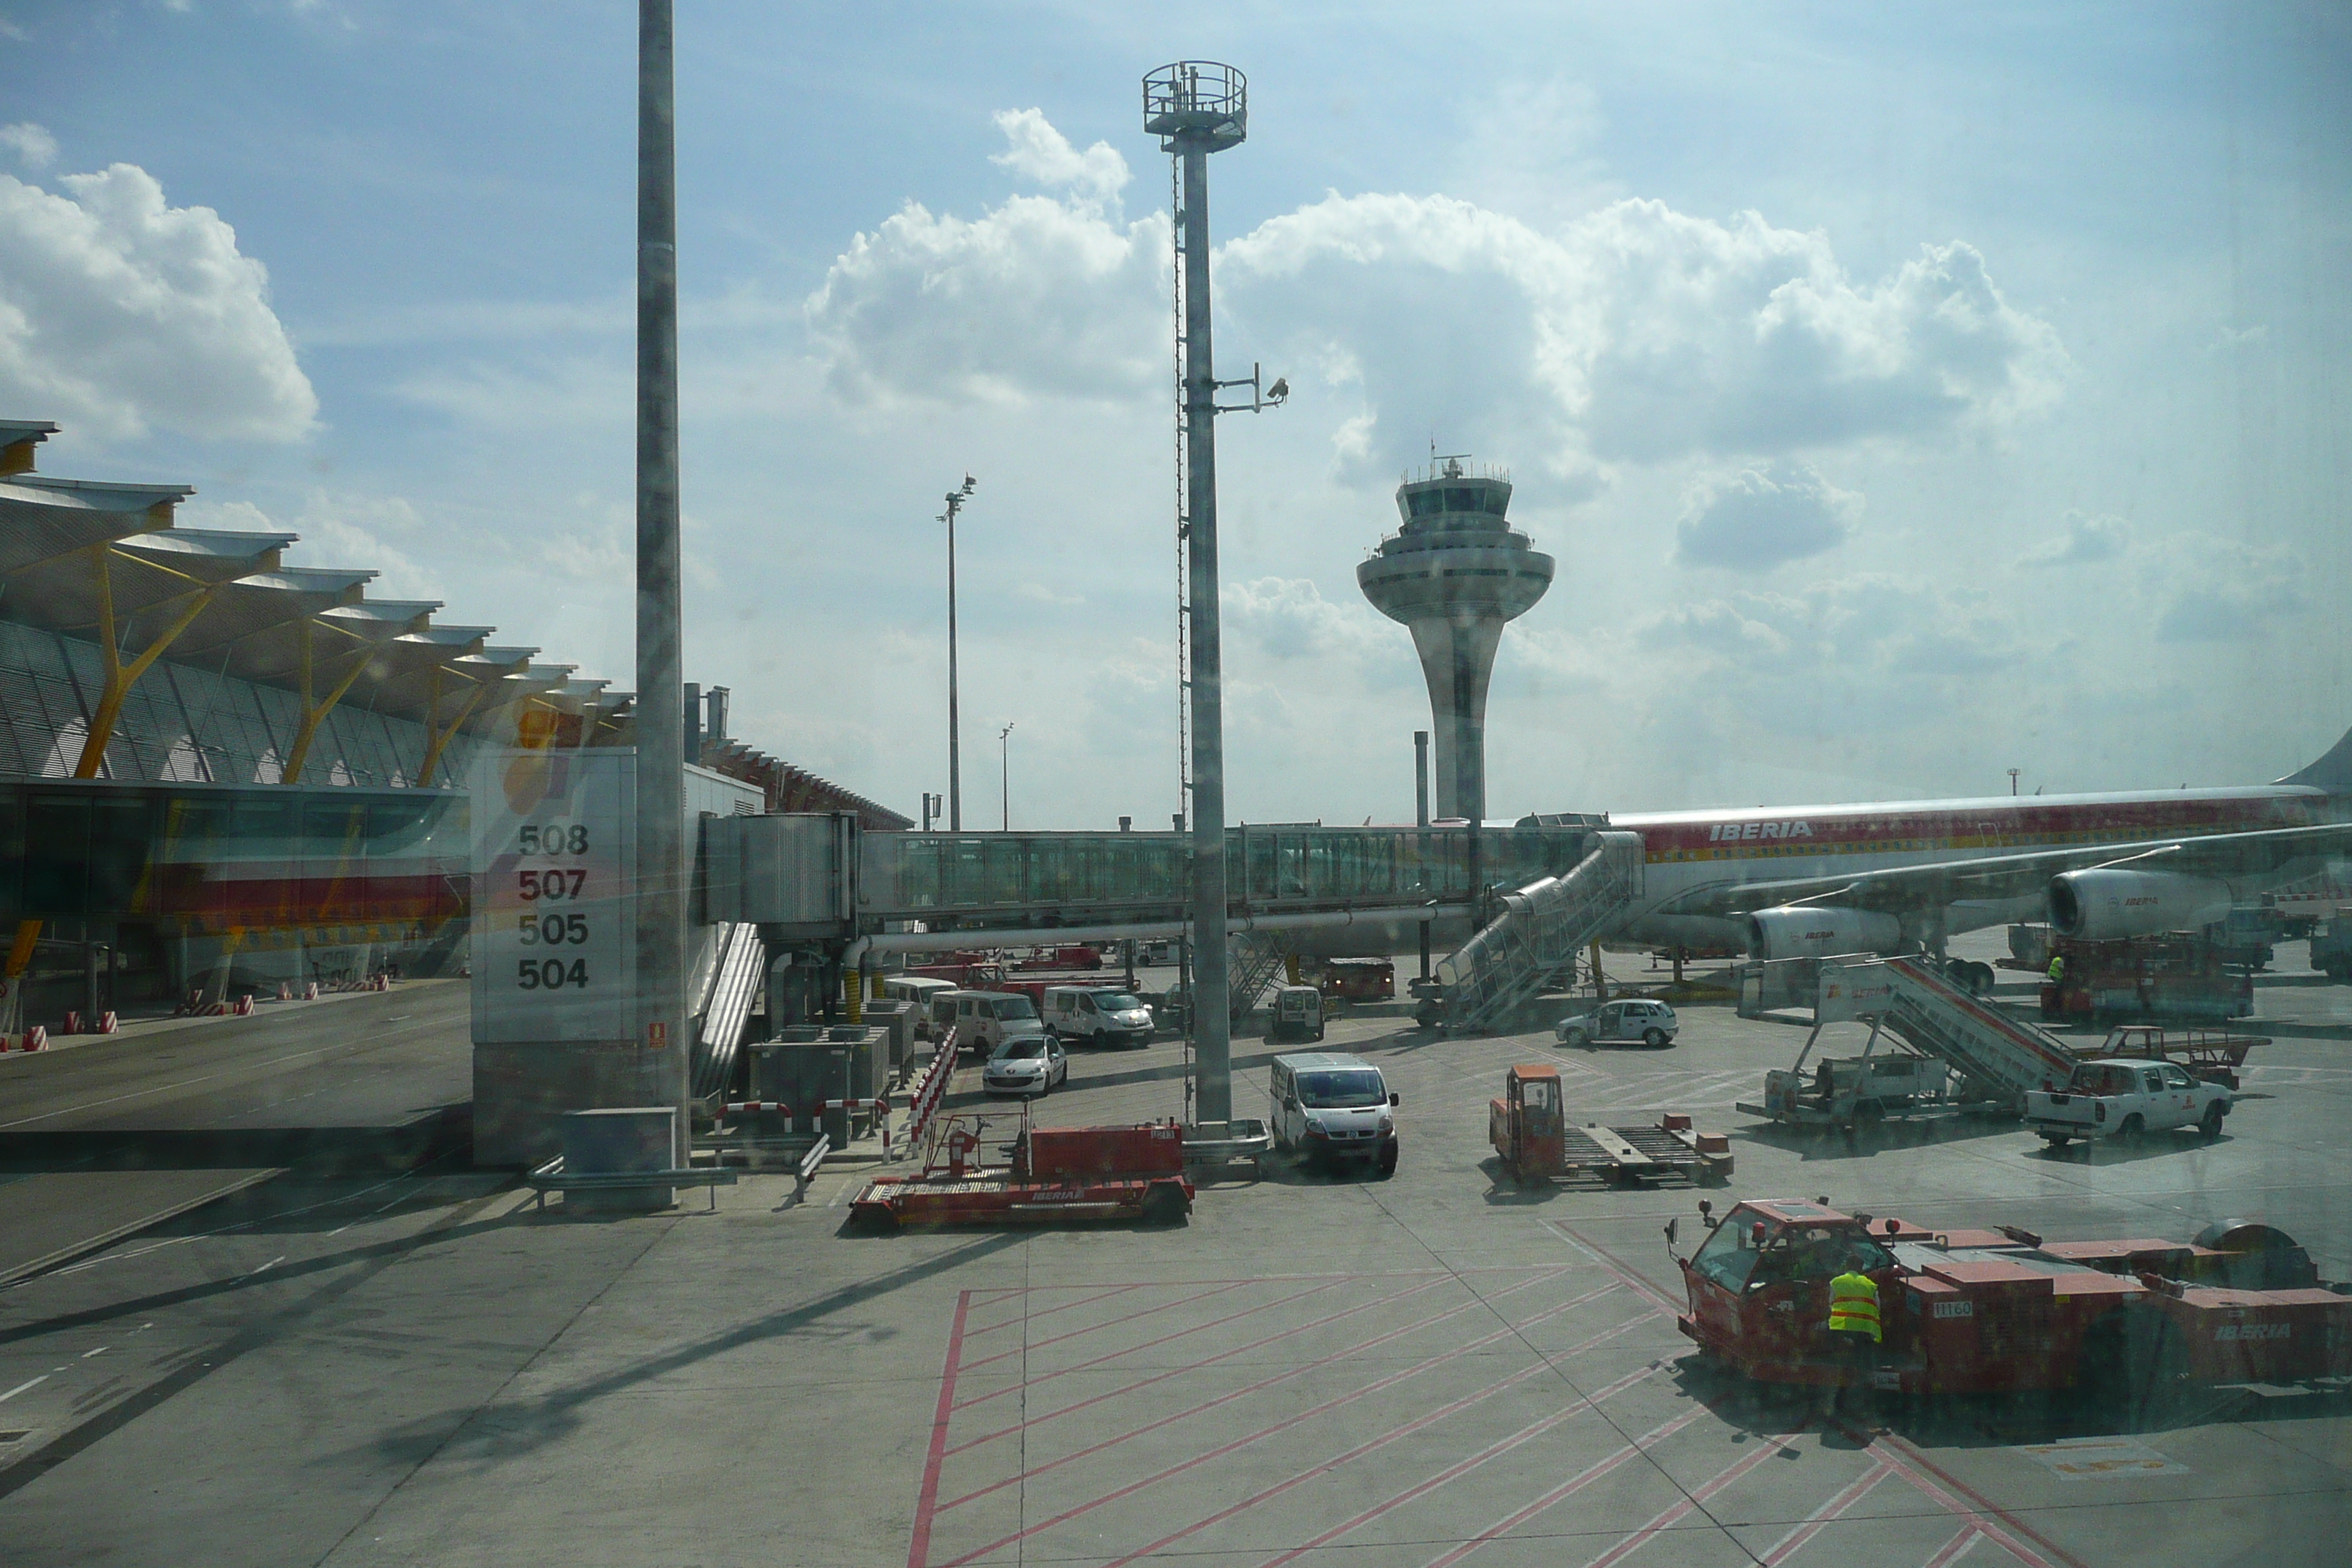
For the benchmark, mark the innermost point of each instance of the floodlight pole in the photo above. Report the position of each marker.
(956, 498)
(660, 891)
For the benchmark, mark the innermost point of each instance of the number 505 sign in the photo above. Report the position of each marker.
(554, 850)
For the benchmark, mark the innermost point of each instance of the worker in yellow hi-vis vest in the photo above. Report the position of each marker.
(1854, 1338)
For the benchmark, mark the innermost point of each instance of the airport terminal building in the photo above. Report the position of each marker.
(222, 769)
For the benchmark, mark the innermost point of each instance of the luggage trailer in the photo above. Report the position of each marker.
(2003, 1311)
(1054, 1175)
(1536, 1142)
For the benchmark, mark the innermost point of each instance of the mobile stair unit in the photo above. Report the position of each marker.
(1971, 1058)
(1537, 938)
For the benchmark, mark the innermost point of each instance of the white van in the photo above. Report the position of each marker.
(1331, 1106)
(983, 1020)
(917, 989)
(1098, 1015)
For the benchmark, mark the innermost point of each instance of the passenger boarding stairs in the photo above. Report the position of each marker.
(1534, 942)
(732, 985)
(1257, 958)
(2006, 1056)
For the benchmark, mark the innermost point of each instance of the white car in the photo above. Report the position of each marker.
(1026, 1064)
(1653, 1024)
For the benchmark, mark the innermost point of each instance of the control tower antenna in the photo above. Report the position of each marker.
(1456, 573)
(1197, 107)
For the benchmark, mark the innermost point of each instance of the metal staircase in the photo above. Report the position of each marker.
(1258, 958)
(727, 1007)
(1940, 1019)
(1537, 936)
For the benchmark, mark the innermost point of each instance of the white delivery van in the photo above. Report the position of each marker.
(1331, 1106)
(917, 989)
(983, 1020)
(1098, 1015)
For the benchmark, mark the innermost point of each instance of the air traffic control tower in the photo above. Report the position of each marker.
(1455, 573)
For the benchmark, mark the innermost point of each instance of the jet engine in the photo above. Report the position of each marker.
(2108, 905)
(1801, 932)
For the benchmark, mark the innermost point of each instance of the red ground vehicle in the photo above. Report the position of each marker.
(1359, 979)
(1056, 1174)
(968, 970)
(1538, 1141)
(1993, 1311)
(1088, 959)
(2182, 977)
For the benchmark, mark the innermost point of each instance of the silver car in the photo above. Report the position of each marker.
(1026, 1064)
(1651, 1023)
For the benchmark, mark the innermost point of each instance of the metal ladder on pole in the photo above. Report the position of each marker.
(1544, 928)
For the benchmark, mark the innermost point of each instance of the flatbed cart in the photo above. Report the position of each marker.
(1055, 1174)
(2214, 1055)
(1213, 1148)
(1851, 1093)
(1538, 1142)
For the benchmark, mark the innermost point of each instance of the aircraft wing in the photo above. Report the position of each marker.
(1993, 878)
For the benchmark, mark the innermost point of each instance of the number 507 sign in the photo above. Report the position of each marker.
(554, 850)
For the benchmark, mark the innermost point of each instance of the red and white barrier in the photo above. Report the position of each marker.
(244, 1005)
(930, 1090)
(310, 992)
(72, 1026)
(37, 1038)
(107, 1024)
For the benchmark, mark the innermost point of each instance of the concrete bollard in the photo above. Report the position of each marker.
(37, 1038)
(72, 1026)
(107, 1024)
(310, 992)
(244, 1005)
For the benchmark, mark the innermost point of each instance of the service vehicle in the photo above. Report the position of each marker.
(1075, 956)
(2121, 1097)
(2176, 975)
(1053, 1173)
(2331, 947)
(1098, 1015)
(1357, 979)
(1653, 1024)
(1992, 1311)
(1858, 1092)
(1025, 1064)
(1296, 1014)
(918, 990)
(1334, 1106)
(983, 1020)
(1537, 1141)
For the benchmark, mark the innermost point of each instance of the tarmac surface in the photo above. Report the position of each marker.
(418, 1368)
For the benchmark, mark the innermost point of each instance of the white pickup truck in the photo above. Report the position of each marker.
(2118, 1098)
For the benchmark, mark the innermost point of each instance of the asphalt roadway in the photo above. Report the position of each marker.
(419, 1368)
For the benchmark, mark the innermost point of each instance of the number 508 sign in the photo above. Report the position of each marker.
(553, 837)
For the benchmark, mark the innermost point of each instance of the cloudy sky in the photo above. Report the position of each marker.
(1907, 392)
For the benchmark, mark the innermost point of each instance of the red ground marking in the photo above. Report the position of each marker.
(1601, 1255)
(929, 1507)
(1997, 1524)
(1955, 1549)
(1820, 1518)
(1355, 1453)
(1641, 1538)
(1184, 1371)
(1149, 1344)
(919, 1549)
(1460, 1468)
(1032, 1317)
(1575, 1483)
(1109, 1323)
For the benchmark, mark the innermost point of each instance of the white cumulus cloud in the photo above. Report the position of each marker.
(120, 312)
(1762, 516)
(33, 145)
(2082, 539)
(1633, 333)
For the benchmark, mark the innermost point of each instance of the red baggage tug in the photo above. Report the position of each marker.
(2000, 1310)
(1056, 1174)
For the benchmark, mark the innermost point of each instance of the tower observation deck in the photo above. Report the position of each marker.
(1455, 573)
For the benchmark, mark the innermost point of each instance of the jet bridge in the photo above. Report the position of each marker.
(820, 881)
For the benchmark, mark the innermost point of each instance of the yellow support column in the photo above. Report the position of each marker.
(436, 735)
(313, 716)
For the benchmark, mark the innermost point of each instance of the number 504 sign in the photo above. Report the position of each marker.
(554, 850)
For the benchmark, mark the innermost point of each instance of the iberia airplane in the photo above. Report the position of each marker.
(1889, 877)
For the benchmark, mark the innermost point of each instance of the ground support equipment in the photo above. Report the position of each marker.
(1213, 1148)
(1536, 1142)
(1056, 1173)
